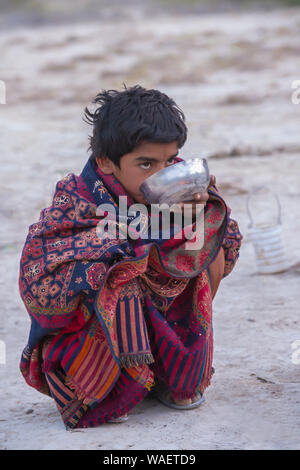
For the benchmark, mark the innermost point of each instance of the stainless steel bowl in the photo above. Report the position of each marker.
(177, 183)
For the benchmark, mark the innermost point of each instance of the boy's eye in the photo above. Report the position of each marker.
(146, 165)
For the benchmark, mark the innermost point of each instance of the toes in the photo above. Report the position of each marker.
(184, 402)
(196, 397)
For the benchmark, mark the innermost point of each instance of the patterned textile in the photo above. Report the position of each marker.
(231, 244)
(110, 316)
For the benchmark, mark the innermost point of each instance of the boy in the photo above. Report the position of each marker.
(112, 316)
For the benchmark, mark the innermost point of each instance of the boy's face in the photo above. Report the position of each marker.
(145, 160)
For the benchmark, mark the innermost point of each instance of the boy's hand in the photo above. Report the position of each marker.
(200, 198)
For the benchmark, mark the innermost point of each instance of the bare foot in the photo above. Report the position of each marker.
(196, 397)
(120, 419)
(167, 398)
(188, 401)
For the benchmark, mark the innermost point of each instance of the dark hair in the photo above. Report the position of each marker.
(126, 118)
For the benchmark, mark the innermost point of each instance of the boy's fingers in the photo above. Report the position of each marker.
(201, 197)
(212, 181)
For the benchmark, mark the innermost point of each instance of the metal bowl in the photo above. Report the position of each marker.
(177, 183)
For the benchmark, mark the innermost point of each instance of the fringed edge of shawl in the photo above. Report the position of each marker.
(72, 414)
(135, 360)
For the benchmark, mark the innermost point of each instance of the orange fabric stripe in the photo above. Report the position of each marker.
(96, 377)
(107, 383)
(55, 392)
(143, 331)
(133, 324)
(78, 361)
(123, 326)
(95, 360)
(80, 374)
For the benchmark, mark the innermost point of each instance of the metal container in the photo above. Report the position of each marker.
(267, 241)
(177, 183)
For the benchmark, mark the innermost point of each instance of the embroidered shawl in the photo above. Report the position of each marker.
(109, 307)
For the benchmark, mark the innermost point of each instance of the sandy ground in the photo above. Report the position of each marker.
(232, 75)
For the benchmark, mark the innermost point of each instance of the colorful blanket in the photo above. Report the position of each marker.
(110, 317)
